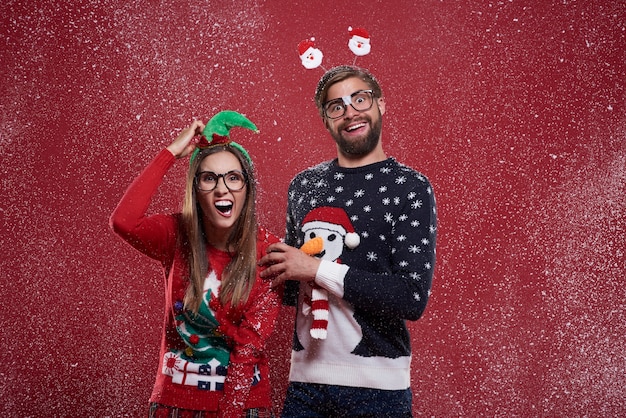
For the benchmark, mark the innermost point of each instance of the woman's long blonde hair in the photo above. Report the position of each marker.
(239, 275)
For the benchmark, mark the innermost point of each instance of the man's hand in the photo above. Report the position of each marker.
(285, 262)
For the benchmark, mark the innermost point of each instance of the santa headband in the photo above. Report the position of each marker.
(217, 132)
(311, 57)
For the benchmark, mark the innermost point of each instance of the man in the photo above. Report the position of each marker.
(376, 221)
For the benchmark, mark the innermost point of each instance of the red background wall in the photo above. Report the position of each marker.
(514, 110)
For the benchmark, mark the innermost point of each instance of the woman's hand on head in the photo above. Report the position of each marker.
(185, 142)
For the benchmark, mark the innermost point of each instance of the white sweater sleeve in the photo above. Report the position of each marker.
(330, 276)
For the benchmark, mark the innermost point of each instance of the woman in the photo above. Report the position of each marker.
(219, 313)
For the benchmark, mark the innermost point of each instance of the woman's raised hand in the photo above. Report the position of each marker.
(185, 142)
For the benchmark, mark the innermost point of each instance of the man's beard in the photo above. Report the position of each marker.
(362, 146)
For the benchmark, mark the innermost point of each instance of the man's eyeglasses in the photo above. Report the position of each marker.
(361, 101)
(234, 180)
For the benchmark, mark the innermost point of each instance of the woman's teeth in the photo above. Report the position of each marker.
(224, 206)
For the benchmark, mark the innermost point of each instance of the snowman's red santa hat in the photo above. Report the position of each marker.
(332, 219)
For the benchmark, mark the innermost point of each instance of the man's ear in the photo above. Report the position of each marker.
(381, 105)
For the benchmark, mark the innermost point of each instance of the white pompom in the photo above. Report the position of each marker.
(352, 240)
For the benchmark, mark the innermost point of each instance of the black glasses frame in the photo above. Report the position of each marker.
(344, 101)
(223, 177)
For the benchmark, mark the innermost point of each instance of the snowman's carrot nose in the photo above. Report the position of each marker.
(313, 246)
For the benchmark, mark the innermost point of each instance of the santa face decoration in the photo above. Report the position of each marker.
(359, 42)
(310, 56)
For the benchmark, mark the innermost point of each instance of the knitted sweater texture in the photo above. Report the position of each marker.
(373, 287)
(215, 359)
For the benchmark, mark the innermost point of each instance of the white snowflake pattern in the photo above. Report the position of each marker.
(367, 209)
(417, 204)
(369, 176)
(339, 189)
(396, 200)
(339, 176)
(401, 180)
(432, 229)
(401, 238)
(412, 195)
(371, 256)
(429, 190)
(313, 202)
(415, 223)
(388, 217)
(403, 263)
(415, 276)
(425, 241)
(417, 297)
(359, 193)
(349, 202)
(354, 218)
(330, 199)
(382, 189)
(415, 249)
(385, 170)
(403, 217)
(427, 266)
(386, 201)
(305, 182)
(320, 184)
(382, 237)
(365, 234)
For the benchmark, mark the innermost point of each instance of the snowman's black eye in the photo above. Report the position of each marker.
(332, 237)
(312, 235)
